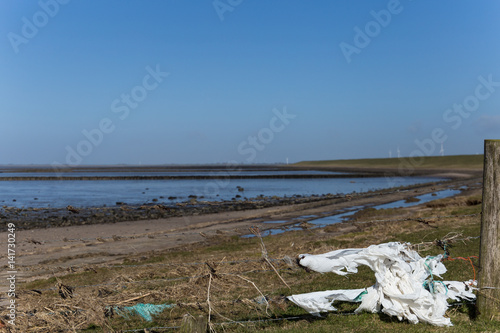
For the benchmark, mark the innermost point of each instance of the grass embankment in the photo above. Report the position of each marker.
(457, 162)
(227, 276)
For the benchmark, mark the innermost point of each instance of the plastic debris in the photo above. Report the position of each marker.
(321, 301)
(260, 300)
(146, 311)
(405, 286)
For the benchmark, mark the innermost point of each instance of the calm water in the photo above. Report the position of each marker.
(341, 217)
(90, 193)
(222, 173)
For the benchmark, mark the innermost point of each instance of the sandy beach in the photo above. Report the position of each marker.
(40, 252)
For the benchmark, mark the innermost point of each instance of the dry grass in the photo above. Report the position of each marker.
(234, 286)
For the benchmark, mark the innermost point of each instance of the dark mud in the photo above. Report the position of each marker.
(31, 218)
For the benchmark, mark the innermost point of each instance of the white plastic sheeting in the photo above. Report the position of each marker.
(405, 285)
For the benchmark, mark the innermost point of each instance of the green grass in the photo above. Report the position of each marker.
(472, 162)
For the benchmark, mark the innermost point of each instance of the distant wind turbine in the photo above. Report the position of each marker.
(442, 150)
(399, 153)
(390, 153)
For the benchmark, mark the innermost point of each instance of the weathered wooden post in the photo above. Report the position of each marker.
(488, 300)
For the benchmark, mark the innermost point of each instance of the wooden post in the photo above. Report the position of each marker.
(488, 299)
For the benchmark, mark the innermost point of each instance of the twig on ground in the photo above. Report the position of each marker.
(264, 297)
(133, 299)
(256, 232)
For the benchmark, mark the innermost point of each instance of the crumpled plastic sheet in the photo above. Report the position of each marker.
(146, 311)
(404, 288)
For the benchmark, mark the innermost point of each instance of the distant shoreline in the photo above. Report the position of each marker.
(193, 177)
(404, 164)
(460, 165)
(418, 163)
(32, 218)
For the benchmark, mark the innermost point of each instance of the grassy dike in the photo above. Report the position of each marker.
(456, 162)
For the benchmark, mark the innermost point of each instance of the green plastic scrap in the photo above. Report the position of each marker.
(360, 296)
(144, 310)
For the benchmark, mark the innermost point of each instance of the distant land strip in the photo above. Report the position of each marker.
(443, 163)
(197, 177)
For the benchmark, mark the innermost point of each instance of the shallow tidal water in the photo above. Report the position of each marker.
(346, 214)
(98, 193)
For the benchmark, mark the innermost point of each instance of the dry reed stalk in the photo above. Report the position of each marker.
(209, 304)
(133, 299)
(264, 297)
(449, 238)
(256, 232)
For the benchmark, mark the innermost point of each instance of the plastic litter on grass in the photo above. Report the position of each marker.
(146, 311)
(405, 283)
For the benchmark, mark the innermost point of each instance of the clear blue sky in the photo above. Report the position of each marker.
(160, 82)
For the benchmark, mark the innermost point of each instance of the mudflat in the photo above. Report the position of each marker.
(39, 251)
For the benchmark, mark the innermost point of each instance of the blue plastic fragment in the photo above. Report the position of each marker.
(146, 311)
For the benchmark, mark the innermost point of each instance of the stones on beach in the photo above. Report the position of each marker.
(176, 207)
(161, 207)
(72, 209)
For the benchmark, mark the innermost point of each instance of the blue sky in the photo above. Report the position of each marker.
(161, 82)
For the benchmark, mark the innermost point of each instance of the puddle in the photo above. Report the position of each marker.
(303, 217)
(317, 222)
(338, 218)
(276, 231)
(279, 221)
(342, 216)
(423, 199)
